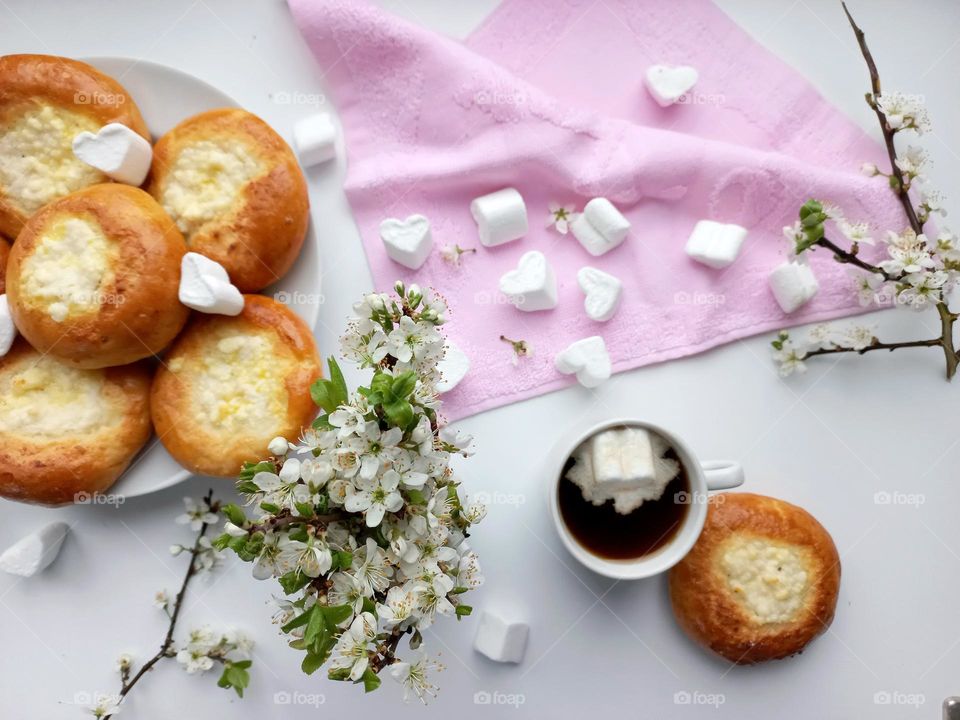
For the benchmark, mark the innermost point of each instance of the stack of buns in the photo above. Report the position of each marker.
(91, 274)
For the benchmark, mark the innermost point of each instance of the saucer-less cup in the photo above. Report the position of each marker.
(703, 476)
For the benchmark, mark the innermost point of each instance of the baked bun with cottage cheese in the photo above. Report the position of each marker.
(4, 254)
(67, 433)
(760, 583)
(236, 191)
(229, 385)
(93, 278)
(45, 101)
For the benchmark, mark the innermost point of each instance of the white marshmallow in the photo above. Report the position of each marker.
(793, 284)
(407, 242)
(591, 238)
(501, 217)
(117, 151)
(8, 331)
(623, 459)
(715, 244)
(453, 367)
(36, 551)
(205, 286)
(607, 220)
(500, 640)
(668, 84)
(315, 139)
(602, 292)
(588, 358)
(533, 285)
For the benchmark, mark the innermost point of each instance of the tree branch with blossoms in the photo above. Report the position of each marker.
(362, 523)
(919, 272)
(203, 648)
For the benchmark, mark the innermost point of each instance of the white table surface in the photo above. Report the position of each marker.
(828, 441)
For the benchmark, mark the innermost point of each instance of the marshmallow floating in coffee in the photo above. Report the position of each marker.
(205, 286)
(116, 151)
(602, 292)
(8, 331)
(452, 367)
(588, 358)
(501, 217)
(715, 244)
(600, 227)
(532, 285)
(35, 552)
(625, 465)
(499, 640)
(315, 139)
(407, 242)
(668, 84)
(793, 284)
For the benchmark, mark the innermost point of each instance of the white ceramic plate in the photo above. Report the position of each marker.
(167, 96)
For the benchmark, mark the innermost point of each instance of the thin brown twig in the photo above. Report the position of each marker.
(901, 188)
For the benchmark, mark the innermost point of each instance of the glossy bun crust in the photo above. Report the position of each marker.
(229, 385)
(4, 254)
(236, 191)
(94, 277)
(761, 581)
(65, 433)
(44, 102)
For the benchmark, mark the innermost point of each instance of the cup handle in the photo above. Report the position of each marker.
(722, 474)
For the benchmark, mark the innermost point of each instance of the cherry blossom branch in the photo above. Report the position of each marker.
(877, 345)
(850, 258)
(900, 187)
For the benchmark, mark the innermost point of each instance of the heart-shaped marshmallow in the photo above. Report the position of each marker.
(116, 151)
(453, 367)
(407, 242)
(668, 84)
(205, 286)
(36, 551)
(533, 285)
(8, 331)
(587, 358)
(602, 292)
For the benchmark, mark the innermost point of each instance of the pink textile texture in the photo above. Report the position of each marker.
(547, 97)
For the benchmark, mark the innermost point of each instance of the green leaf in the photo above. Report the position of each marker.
(235, 676)
(322, 423)
(369, 606)
(370, 680)
(415, 497)
(237, 544)
(400, 412)
(250, 469)
(338, 673)
(811, 207)
(221, 542)
(463, 611)
(316, 625)
(320, 392)
(235, 514)
(339, 385)
(305, 509)
(270, 508)
(342, 560)
(403, 384)
(460, 590)
(336, 614)
(293, 581)
(247, 487)
(311, 663)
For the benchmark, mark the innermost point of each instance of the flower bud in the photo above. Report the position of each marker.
(278, 446)
(869, 169)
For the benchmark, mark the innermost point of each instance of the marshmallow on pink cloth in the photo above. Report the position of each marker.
(547, 97)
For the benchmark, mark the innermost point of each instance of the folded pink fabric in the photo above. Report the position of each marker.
(547, 97)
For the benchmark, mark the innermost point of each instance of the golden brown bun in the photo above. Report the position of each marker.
(62, 97)
(229, 385)
(4, 254)
(132, 311)
(235, 190)
(67, 433)
(761, 581)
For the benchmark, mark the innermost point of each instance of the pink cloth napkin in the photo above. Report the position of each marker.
(547, 97)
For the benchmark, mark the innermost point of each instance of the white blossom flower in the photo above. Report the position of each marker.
(197, 514)
(401, 606)
(124, 663)
(790, 357)
(194, 661)
(452, 253)
(375, 496)
(107, 706)
(913, 161)
(353, 648)
(371, 568)
(313, 558)
(922, 289)
(346, 590)
(868, 286)
(560, 217)
(469, 574)
(161, 599)
(413, 677)
(410, 339)
(904, 112)
(434, 600)
(856, 232)
(820, 336)
(207, 556)
(858, 337)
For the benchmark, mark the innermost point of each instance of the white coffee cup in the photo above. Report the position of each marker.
(703, 478)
